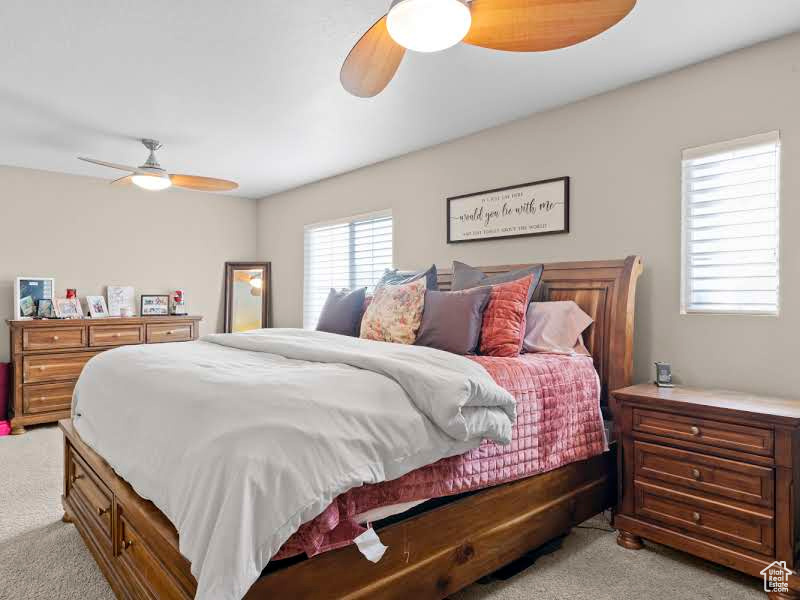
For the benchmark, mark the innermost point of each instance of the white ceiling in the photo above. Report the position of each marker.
(249, 90)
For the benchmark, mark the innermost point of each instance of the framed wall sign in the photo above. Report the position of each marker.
(537, 208)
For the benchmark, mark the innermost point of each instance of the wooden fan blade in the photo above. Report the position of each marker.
(372, 62)
(103, 163)
(127, 180)
(202, 184)
(538, 25)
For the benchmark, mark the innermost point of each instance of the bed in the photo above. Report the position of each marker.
(431, 554)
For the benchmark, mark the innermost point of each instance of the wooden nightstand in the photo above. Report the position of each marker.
(712, 473)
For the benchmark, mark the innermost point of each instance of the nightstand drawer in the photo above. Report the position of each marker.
(707, 474)
(739, 528)
(53, 338)
(115, 335)
(705, 431)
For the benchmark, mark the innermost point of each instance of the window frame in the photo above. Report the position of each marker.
(717, 148)
(351, 221)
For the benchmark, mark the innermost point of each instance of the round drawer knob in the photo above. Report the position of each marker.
(117, 335)
(170, 332)
(76, 476)
(42, 368)
(696, 473)
(696, 517)
(55, 338)
(126, 544)
(102, 511)
(695, 430)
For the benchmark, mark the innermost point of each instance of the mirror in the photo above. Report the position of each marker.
(247, 295)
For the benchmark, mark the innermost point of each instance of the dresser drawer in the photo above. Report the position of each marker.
(707, 474)
(89, 493)
(53, 338)
(115, 335)
(47, 397)
(143, 566)
(160, 333)
(54, 367)
(751, 530)
(704, 431)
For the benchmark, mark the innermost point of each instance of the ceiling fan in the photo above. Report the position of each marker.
(152, 176)
(434, 25)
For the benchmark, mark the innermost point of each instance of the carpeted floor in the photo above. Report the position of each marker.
(43, 558)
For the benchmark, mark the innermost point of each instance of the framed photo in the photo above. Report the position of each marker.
(97, 307)
(154, 305)
(28, 291)
(44, 309)
(537, 208)
(121, 299)
(68, 308)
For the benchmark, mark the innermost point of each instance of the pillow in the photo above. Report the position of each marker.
(395, 313)
(555, 327)
(342, 312)
(451, 321)
(504, 319)
(465, 277)
(395, 277)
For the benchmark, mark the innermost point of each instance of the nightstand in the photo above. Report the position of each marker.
(711, 473)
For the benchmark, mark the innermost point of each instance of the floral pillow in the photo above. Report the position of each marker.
(395, 313)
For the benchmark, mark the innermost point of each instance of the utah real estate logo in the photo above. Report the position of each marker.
(776, 577)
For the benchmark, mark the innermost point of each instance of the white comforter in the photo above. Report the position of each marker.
(239, 440)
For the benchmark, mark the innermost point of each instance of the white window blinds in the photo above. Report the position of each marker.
(346, 254)
(731, 194)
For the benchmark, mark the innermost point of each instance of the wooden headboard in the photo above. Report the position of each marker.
(606, 291)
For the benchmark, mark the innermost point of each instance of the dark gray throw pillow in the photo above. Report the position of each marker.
(451, 321)
(466, 277)
(395, 277)
(342, 312)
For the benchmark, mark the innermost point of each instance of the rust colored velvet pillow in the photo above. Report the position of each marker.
(504, 318)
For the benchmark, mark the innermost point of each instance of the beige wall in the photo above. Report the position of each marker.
(623, 151)
(88, 234)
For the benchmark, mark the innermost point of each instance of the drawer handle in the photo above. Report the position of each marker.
(55, 338)
(76, 476)
(695, 430)
(117, 335)
(696, 474)
(43, 367)
(126, 543)
(696, 517)
(171, 332)
(102, 511)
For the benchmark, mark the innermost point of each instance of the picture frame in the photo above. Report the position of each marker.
(154, 305)
(28, 291)
(68, 308)
(45, 309)
(528, 209)
(121, 299)
(97, 307)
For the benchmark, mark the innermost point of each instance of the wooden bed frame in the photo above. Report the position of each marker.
(430, 555)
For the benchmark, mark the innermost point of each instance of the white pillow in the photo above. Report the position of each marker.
(555, 327)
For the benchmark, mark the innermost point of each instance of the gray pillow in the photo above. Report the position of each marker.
(452, 321)
(466, 277)
(395, 277)
(342, 312)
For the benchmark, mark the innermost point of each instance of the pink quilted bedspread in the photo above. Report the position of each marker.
(558, 422)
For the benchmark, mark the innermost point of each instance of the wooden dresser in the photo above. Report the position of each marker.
(47, 356)
(711, 473)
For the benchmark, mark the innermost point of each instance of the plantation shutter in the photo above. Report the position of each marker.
(731, 199)
(348, 254)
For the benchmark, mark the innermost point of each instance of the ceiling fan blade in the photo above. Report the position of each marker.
(372, 62)
(203, 184)
(127, 180)
(103, 163)
(539, 25)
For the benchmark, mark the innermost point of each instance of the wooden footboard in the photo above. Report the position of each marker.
(430, 556)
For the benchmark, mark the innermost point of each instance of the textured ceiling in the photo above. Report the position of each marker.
(249, 90)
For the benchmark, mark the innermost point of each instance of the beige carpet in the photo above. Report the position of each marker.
(43, 558)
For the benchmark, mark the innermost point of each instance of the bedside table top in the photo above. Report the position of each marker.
(783, 409)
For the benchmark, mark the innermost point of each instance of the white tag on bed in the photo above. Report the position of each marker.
(370, 545)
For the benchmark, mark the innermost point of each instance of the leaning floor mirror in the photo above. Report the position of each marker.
(247, 295)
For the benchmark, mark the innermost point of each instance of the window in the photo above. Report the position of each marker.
(731, 197)
(344, 254)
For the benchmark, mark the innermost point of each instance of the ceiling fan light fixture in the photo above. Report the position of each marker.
(428, 25)
(152, 183)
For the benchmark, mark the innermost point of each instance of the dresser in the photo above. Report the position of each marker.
(712, 473)
(47, 356)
